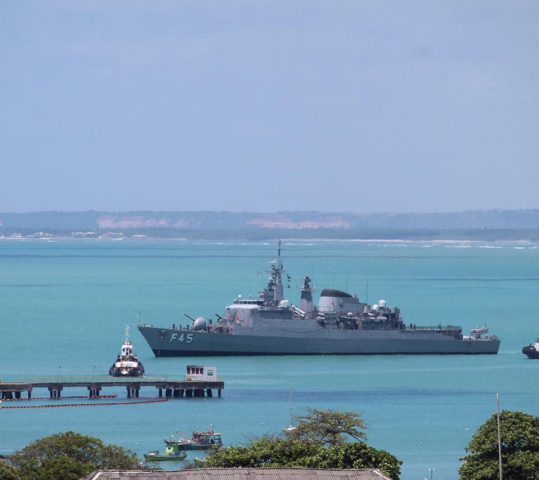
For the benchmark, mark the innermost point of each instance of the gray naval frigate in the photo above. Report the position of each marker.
(339, 325)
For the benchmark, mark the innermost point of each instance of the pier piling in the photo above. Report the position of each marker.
(133, 391)
(165, 387)
(94, 391)
(55, 392)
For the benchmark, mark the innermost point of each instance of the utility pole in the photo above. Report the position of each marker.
(499, 435)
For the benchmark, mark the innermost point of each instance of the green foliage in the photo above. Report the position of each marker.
(60, 467)
(115, 457)
(70, 456)
(327, 427)
(284, 452)
(520, 449)
(319, 441)
(7, 472)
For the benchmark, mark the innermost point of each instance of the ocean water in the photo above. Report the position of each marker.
(64, 306)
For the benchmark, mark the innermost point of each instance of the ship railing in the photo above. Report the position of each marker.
(445, 329)
(378, 326)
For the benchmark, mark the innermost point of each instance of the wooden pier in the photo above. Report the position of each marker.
(168, 388)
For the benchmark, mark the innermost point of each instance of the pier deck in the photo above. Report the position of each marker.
(170, 388)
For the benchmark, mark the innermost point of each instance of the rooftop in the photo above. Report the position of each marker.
(242, 474)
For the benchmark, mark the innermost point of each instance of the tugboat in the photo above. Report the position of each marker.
(172, 453)
(127, 364)
(532, 350)
(198, 441)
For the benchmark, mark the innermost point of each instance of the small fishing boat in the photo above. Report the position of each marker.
(198, 441)
(532, 350)
(171, 453)
(127, 364)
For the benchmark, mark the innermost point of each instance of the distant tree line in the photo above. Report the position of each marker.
(474, 225)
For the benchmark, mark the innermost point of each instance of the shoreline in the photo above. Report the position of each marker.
(456, 242)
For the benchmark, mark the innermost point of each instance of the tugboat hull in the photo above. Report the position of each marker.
(530, 352)
(120, 372)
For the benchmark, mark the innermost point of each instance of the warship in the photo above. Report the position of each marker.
(339, 325)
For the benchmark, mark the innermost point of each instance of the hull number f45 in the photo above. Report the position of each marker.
(181, 338)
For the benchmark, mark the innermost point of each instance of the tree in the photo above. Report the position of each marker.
(318, 441)
(275, 452)
(520, 449)
(327, 427)
(60, 467)
(70, 456)
(7, 472)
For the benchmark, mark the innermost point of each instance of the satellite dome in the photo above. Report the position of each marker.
(199, 323)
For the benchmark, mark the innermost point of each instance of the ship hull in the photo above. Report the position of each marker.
(530, 352)
(181, 343)
(165, 458)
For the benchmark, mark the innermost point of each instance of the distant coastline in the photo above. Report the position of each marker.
(487, 225)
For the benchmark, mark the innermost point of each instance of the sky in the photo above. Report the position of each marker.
(362, 106)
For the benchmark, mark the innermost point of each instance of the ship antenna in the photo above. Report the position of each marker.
(275, 286)
(367, 290)
(127, 334)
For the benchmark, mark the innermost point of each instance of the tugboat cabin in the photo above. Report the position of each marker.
(201, 373)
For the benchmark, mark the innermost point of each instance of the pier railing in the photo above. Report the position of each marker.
(101, 379)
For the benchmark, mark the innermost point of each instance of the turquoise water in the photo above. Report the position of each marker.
(64, 306)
